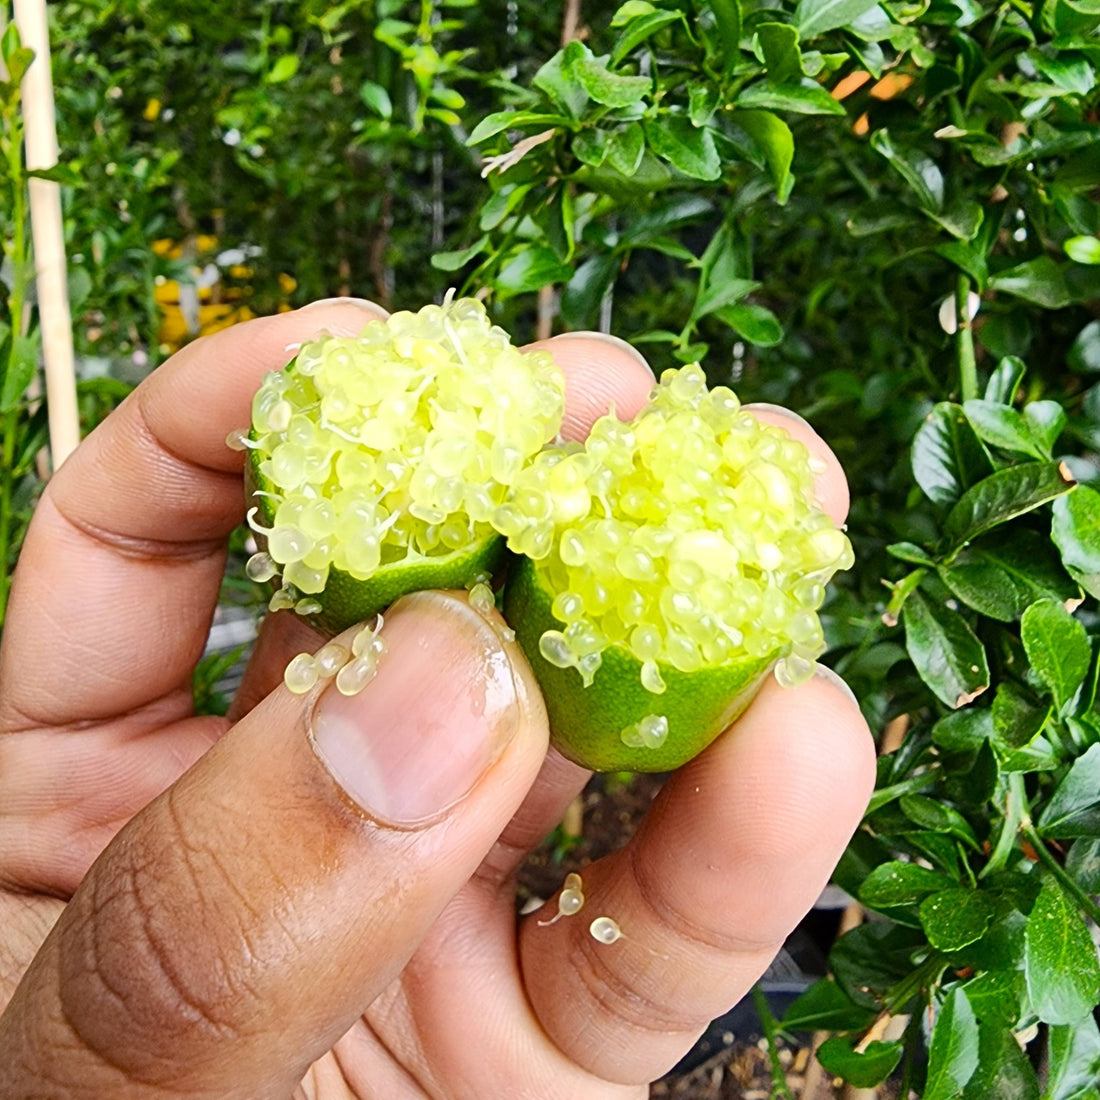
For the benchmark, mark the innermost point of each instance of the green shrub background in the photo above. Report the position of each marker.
(713, 180)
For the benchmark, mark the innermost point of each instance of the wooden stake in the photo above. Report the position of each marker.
(40, 140)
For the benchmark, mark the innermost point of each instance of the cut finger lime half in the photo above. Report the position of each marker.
(673, 561)
(377, 462)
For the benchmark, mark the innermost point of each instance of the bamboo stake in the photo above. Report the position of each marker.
(40, 128)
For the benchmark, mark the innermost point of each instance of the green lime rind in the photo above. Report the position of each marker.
(586, 723)
(347, 600)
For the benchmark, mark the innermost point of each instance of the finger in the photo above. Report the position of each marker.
(732, 854)
(242, 922)
(126, 549)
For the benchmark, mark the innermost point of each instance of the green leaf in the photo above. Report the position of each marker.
(996, 996)
(640, 29)
(719, 293)
(1057, 648)
(1083, 863)
(727, 18)
(376, 98)
(757, 324)
(772, 136)
(590, 147)
(920, 172)
(452, 261)
(686, 148)
(825, 1006)
(1002, 426)
(702, 103)
(1046, 421)
(947, 655)
(532, 269)
(1001, 576)
(1040, 281)
(20, 370)
(814, 17)
(1074, 808)
(963, 730)
(947, 456)
(610, 88)
(956, 917)
(1083, 250)
(870, 959)
(1075, 529)
(557, 80)
(1084, 353)
(1017, 720)
(779, 45)
(953, 1052)
(1060, 964)
(584, 293)
(1001, 497)
(937, 816)
(494, 124)
(864, 1070)
(898, 883)
(283, 69)
(1074, 1061)
(1005, 380)
(806, 98)
(1004, 1072)
(625, 149)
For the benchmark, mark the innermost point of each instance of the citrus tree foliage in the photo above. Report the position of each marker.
(882, 213)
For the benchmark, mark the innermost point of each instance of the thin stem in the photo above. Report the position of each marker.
(771, 1035)
(1058, 871)
(16, 297)
(964, 341)
(1014, 811)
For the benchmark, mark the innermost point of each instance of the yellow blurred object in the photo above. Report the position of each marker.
(849, 84)
(892, 84)
(218, 306)
(152, 110)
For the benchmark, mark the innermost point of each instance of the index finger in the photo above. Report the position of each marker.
(125, 553)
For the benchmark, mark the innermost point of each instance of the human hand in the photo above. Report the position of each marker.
(315, 897)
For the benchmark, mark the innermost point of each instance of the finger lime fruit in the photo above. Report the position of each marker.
(376, 462)
(670, 564)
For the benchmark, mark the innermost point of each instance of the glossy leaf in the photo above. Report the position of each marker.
(1001, 497)
(826, 1006)
(625, 148)
(686, 148)
(864, 1069)
(452, 261)
(1003, 573)
(1083, 863)
(757, 324)
(1074, 1061)
(1040, 281)
(532, 269)
(612, 89)
(1074, 808)
(947, 456)
(772, 136)
(1075, 529)
(727, 18)
(919, 172)
(937, 816)
(1004, 427)
(799, 98)
(814, 17)
(956, 917)
(899, 883)
(953, 1052)
(1060, 964)
(944, 650)
(1057, 648)
(1017, 719)
(639, 30)
(779, 45)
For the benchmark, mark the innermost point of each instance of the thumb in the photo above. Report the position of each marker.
(236, 928)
